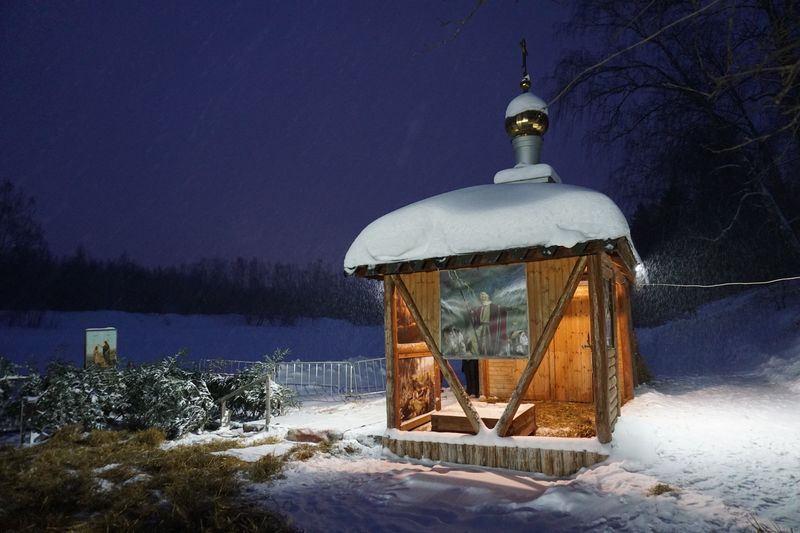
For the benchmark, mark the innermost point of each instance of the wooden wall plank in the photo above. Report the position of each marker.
(565, 373)
(585, 349)
(573, 352)
(625, 335)
(424, 288)
(541, 306)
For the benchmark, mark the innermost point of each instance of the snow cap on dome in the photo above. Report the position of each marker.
(525, 102)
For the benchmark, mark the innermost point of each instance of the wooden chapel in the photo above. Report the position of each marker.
(527, 282)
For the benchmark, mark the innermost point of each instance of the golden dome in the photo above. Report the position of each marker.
(526, 115)
(532, 122)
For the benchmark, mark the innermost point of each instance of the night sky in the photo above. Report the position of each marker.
(175, 131)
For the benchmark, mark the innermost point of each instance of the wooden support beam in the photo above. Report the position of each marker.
(388, 340)
(447, 371)
(538, 351)
(597, 305)
(620, 248)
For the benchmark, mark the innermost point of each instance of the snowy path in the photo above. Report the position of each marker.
(389, 495)
(737, 439)
(730, 447)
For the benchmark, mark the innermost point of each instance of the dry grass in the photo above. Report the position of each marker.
(97, 438)
(66, 484)
(271, 466)
(350, 449)
(267, 468)
(565, 419)
(152, 437)
(216, 445)
(222, 444)
(118, 474)
(660, 488)
(302, 452)
(327, 446)
(272, 439)
(67, 434)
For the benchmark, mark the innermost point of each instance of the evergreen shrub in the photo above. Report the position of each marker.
(251, 402)
(162, 396)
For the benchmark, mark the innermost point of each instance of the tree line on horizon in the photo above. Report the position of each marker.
(698, 102)
(33, 280)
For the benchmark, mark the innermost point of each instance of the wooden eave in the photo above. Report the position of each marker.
(619, 249)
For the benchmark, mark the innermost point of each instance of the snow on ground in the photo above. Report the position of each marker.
(727, 442)
(732, 335)
(722, 425)
(727, 463)
(149, 337)
(736, 439)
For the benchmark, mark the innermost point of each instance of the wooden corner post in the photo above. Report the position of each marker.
(388, 339)
(447, 371)
(597, 305)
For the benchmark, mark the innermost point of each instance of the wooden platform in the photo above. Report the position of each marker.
(546, 461)
(452, 418)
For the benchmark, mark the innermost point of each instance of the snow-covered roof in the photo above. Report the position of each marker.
(488, 218)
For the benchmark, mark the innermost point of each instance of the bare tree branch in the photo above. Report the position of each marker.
(460, 25)
(649, 38)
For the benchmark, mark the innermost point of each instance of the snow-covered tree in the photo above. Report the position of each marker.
(92, 398)
(167, 397)
(251, 403)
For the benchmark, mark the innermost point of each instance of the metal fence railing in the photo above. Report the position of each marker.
(317, 378)
(222, 366)
(369, 375)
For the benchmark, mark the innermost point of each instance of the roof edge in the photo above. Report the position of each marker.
(619, 246)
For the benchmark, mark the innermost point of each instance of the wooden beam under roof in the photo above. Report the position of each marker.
(619, 248)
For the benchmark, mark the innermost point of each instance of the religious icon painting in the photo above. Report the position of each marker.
(484, 313)
(101, 348)
(417, 386)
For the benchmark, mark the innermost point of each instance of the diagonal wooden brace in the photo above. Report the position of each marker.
(447, 371)
(538, 351)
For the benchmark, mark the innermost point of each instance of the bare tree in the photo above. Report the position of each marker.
(672, 76)
(19, 230)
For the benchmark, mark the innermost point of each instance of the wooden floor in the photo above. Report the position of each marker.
(549, 419)
(541, 418)
(453, 419)
(565, 419)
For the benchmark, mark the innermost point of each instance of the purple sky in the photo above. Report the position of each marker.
(176, 131)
